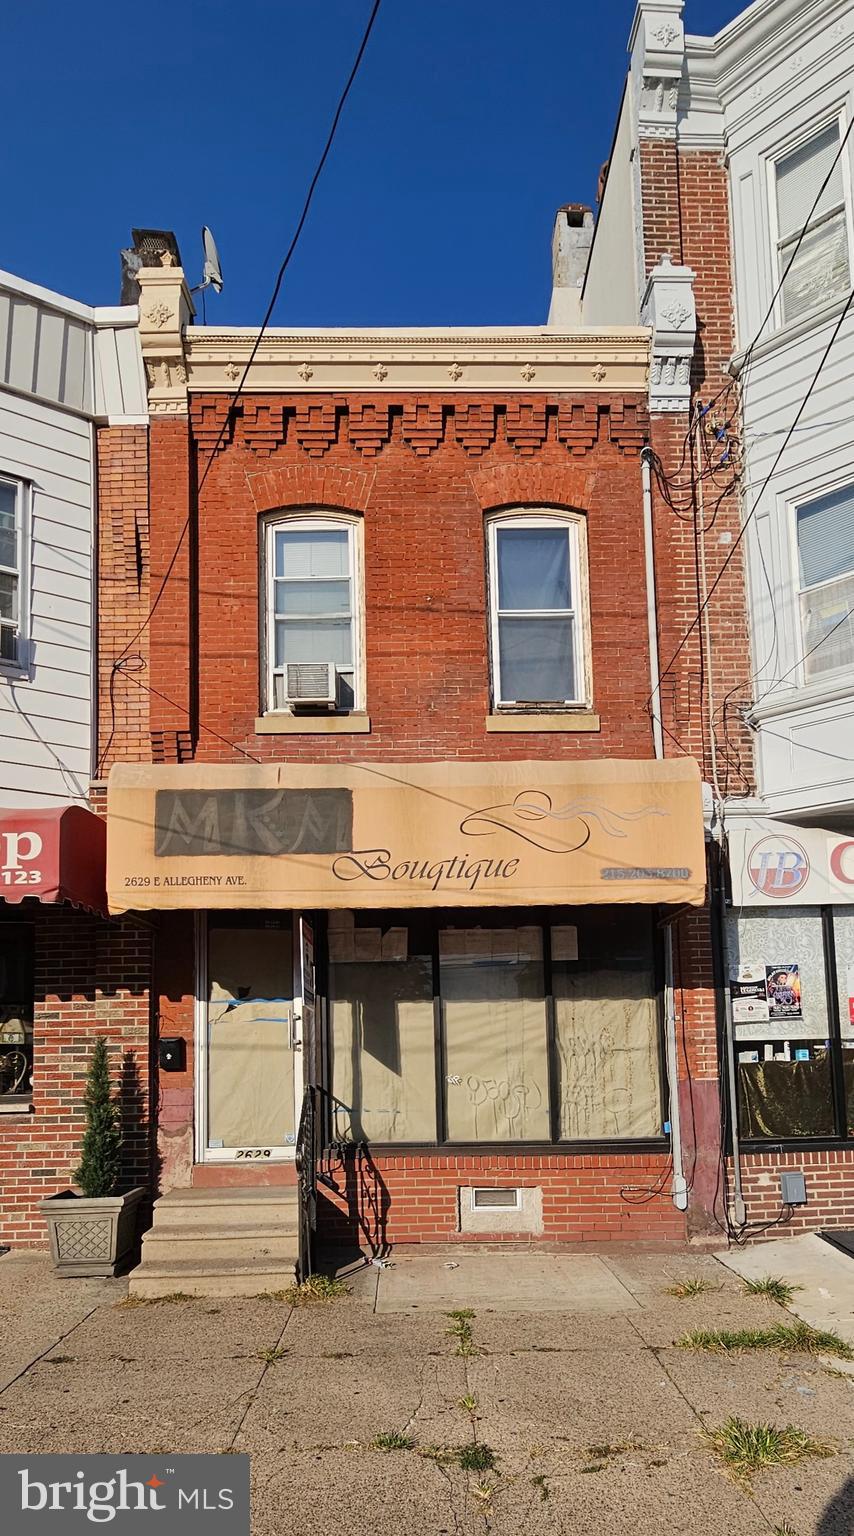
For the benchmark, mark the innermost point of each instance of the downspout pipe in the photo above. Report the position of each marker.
(680, 1187)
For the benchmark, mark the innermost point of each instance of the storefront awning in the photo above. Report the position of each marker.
(55, 855)
(404, 834)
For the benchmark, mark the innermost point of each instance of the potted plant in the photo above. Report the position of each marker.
(91, 1232)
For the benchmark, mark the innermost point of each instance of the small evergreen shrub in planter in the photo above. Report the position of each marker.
(93, 1231)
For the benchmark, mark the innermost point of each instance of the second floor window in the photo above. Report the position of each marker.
(825, 529)
(820, 266)
(11, 512)
(536, 574)
(312, 628)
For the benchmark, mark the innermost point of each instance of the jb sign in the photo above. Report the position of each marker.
(772, 862)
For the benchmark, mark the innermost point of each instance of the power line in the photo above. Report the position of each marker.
(772, 471)
(117, 664)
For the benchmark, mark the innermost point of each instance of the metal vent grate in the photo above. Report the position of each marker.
(495, 1199)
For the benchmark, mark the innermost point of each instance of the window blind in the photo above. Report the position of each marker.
(799, 176)
(826, 537)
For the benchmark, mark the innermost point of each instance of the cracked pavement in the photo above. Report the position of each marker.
(592, 1414)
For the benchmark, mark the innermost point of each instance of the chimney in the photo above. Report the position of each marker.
(571, 242)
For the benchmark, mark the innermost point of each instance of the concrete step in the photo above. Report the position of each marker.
(222, 1277)
(227, 1210)
(207, 1248)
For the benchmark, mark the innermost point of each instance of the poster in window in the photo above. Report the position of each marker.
(784, 992)
(749, 993)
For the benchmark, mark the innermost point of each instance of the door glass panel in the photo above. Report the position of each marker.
(250, 1057)
(606, 1022)
(381, 1012)
(494, 1012)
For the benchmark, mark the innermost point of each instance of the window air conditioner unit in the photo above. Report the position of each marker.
(312, 683)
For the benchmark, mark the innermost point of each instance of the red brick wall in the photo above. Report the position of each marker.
(91, 978)
(422, 474)
(829, 1185)
(585, 1198)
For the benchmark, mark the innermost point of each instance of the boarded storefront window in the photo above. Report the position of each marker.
(494, 1014)
(607, 1029)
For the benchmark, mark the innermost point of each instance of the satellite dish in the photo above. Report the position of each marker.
(212, 271)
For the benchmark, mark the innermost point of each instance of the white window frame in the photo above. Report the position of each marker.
(812, 130)
(830, 678)
(576, 530)
(319, 522)
(18, 665)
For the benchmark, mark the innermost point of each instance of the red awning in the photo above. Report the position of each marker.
(54, 855)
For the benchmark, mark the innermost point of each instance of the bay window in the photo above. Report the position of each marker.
(313, 612)
(820, 266)
(825, 535)
(537, 601)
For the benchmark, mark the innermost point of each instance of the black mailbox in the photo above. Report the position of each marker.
(172, 1053)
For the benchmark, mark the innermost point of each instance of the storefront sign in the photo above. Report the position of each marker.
(405, 835)
(774, 862)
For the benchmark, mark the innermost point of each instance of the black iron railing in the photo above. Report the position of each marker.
(307, 1150)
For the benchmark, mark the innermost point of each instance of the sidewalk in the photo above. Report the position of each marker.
(587, 1419)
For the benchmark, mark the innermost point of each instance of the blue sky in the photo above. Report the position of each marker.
(470, 122)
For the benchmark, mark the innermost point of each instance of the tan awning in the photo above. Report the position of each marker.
(404, 834)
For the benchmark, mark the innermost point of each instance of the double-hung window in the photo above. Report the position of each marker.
(819, 266)
(11, 585)
(312, 609)
(825, 531)
(537, 607)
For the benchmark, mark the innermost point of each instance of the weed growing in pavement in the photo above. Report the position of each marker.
(483, 1491)
(745, 1448)
(460, 1330)
(773, 1288)
(784, 1530)
(307, 1293)
(606, 1451)
(476, 1458)
(597, 1466)
(271, 1356)
(695, 1285)
(539, 1481)
(468, 1404)
(390, 1440)
(796, 1338)
(129, 1302)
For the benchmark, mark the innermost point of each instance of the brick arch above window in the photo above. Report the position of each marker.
(311, 485)
(561, 486)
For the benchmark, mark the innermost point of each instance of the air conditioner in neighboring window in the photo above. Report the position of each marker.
(311, 683)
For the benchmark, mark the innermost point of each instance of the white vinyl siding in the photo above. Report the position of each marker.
(537, 597)
(825, 532)
(820, 265)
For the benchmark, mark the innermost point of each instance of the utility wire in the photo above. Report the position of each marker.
(772, 471)
(229, 416)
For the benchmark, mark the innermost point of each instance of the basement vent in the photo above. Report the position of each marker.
(496, 1199)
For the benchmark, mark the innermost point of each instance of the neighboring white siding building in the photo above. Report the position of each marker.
(63, 367)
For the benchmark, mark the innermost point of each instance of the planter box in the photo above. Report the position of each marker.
(91, 1237)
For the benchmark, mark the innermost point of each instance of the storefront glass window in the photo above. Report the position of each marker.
(16, 1012)
(381, 1015)
(607, 1029)
(843, 932)
(494, 1010)
(781, 1022)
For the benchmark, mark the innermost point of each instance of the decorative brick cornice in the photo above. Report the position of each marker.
(263, 424)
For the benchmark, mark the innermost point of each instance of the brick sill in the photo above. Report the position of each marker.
(581, 721)
(312, 725)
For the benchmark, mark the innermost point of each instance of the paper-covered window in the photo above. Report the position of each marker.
(537, 597)
(817, 269)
